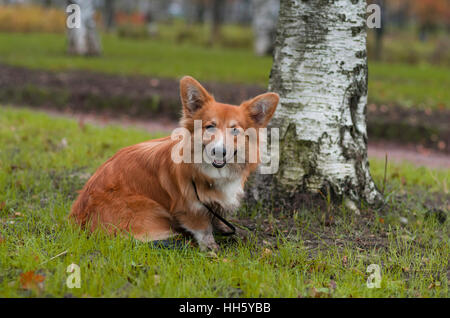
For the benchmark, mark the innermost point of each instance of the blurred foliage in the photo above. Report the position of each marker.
(32, 19)
(232, 36)
(176, 48)
(133, 31)
(28, 19)
(432, 11)
(403, 46)
(436, 12)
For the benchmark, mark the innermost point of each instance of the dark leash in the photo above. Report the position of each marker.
(231, 226)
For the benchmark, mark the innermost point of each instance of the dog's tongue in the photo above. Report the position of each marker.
(218, 163)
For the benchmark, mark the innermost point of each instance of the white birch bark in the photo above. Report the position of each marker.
(320, 73)
(85, 39)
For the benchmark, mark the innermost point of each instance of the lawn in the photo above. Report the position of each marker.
(421, 85)
(44, 161)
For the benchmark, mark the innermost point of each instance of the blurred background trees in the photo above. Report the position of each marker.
(84, 40)
(408, 55)
(265, 16)
(240, 23)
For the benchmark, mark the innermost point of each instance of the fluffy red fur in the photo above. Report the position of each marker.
(142, 191)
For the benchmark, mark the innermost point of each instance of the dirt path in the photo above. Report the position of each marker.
(396, 152)
(152, 98)
(416, 155)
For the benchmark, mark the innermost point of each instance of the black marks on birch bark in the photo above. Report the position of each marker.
(302, 154)
(309, 27)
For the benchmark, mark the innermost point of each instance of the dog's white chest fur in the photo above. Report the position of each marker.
(232, 192)
(228, 183)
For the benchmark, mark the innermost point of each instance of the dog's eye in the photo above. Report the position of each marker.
(234, 131)
(210, 127)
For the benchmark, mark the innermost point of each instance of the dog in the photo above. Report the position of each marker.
(142, 191)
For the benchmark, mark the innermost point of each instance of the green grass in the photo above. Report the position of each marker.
(422, 85)
(39, 177)
(142, 57)
(177, 31)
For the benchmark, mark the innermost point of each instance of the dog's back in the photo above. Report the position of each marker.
(130, 182)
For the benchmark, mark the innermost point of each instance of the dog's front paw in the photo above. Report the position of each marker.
(207, 242)
(208, 246)
(221, 228)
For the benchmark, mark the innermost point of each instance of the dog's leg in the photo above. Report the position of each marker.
(220, 227)
(201, 228)
(205, 239)
(144, 218)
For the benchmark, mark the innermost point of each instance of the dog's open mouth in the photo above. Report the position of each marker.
(219, 163)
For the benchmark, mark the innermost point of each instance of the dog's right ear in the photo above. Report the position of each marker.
(193, 95)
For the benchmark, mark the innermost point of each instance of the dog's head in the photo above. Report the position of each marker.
(229, 133)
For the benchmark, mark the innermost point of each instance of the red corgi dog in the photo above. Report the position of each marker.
(143, 191)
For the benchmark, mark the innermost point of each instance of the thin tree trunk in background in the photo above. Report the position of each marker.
(265, 16)
(84, 40)
(199, 14)
(217, 19)
(320, 72)
(109, 14)
(194, 11)
(379, 32)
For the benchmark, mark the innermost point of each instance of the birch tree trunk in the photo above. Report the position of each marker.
(265, 15)
(320, 72)
(85, 39)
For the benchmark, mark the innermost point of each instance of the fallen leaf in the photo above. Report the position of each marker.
(345, 261)
(81, 123)
(30, 280)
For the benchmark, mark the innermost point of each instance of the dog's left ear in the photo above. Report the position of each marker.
(193, 95)
(261, 108)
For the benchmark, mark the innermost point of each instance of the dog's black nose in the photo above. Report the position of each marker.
(219, 151)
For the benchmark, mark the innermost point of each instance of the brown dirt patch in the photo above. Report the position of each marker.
(146, 97)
